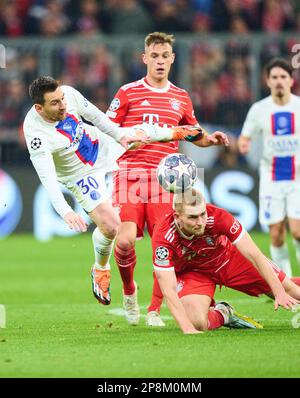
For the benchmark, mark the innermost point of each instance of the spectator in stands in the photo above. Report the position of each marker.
(10, 22)
(128, 16)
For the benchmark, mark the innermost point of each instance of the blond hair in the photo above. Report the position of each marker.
(191, 197)
(159, 38)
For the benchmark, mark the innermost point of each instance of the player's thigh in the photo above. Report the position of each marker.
(196, 307)
(272, 202)
(240, 274)
(106, 218)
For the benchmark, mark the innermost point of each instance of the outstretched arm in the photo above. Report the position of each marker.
(194, 134)
(45, 168)
(249, 249)
(167, 282)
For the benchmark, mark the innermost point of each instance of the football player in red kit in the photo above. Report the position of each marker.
(199, 246)
(153, 100)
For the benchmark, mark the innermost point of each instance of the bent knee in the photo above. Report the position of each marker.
(201, 324)
(125, 243)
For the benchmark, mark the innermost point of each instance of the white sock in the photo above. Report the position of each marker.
(280, 256)
(297, 247)
(102, 248)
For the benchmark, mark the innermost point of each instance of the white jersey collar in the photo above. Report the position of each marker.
(154, 89)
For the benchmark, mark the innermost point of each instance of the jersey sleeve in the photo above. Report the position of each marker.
(118, 108)
(189, 116)
(251, 127)
(91, 113)
(163, 255)
(42, 160)
(229, 226)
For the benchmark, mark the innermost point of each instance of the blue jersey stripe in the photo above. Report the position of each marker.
(283, 168)
(88, 150)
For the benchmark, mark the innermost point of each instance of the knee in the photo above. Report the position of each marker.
(201, 323)
(125, 243)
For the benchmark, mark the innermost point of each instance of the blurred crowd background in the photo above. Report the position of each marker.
(95, 46)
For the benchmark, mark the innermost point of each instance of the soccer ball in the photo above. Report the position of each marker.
(176, 173)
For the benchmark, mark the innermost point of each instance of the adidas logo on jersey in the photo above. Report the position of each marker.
(145, 103)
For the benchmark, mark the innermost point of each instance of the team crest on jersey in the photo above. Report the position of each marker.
(115, 104)
(209, 241)
(36, 143)
(67, 126)
(175, 104)
(161, 253)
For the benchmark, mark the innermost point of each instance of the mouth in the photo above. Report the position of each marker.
(160, 70)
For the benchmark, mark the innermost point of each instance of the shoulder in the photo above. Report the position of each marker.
(180, 91)
(32, 121)
(69, 91)
(128, 86)
(296, 99)
(165, 229)
(259, 107)
(216, 215)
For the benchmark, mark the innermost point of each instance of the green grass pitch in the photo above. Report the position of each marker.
(55, 328)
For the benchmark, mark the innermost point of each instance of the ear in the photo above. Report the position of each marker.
(173, 58)
(144, 58)
(38, 108)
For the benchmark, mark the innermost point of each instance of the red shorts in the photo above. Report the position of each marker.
(238, 274)
(140, 199)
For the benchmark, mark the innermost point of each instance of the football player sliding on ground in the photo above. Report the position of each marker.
(199, 246)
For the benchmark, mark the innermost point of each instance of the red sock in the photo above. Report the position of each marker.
(126, 260)
(157, 296)
(215, 319)
(296, 279)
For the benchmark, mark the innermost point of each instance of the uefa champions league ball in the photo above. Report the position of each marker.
(176, 173)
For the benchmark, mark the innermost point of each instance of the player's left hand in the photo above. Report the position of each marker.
(285, 300)
(138, 137)
(218, 138)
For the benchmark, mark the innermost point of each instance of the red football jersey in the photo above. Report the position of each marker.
(137, 103)
(209, 252)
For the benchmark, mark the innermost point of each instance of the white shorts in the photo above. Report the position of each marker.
(278, 200)
(92, 189)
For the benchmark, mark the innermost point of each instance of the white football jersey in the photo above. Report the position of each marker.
(64, 150)
(280, 129)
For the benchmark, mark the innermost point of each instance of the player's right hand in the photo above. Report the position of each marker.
(75, 222)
